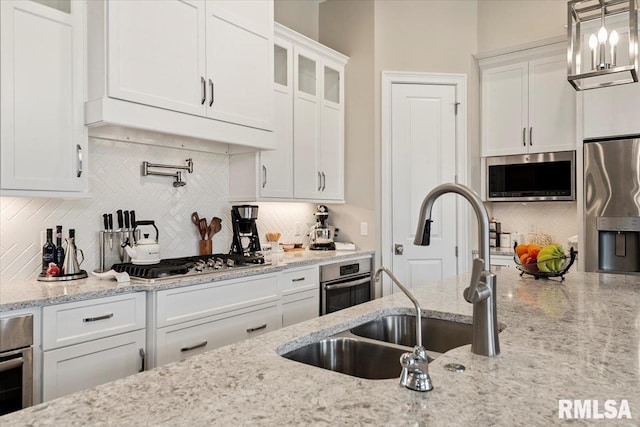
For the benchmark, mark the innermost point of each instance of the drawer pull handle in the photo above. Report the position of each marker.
(143, 358)
(95, 319)
(299, 279)
(193, 347)
(257, 328)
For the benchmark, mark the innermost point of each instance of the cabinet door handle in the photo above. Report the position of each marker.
(257, 328)
(211, 90)
(531, 135)
(264, 176)
(193, 347)
(324, 181)
(524, 137)
(203, 83)
(299, 279)
(79, 149)
(95, 319)
(319, 181)
(143, 359)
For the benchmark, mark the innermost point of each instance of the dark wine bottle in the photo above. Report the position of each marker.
(59, 256)
(48, 251)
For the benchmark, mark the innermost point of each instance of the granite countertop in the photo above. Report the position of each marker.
(578, 339)
(20, 294)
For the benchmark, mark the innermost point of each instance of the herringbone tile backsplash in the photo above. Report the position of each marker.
(115, 182)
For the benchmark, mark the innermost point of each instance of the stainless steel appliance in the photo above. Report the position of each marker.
(345, 284)
(322, 234)
(612, 205)
(16, 363)
(532, 177)
(168, 269)
(245, 232)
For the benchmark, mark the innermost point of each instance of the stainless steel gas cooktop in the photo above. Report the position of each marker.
(173, 268)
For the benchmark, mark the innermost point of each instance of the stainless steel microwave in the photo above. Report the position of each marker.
(532, 177)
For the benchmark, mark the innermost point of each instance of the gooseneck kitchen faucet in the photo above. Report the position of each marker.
(482, 289)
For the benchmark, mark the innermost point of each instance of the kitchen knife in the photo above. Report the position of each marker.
(119, 213)
(126, 219)
(121, 234)
(110, 220)
(132, 215)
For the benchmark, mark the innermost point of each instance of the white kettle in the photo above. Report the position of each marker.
(145, 251)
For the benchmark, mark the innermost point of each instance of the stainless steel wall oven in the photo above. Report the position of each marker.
(345, 284)
(16, 363)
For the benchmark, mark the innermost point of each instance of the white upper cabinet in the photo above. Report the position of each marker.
(43, 138)
(527, 104)
(308, 162)
(194, 68)
(157, 54)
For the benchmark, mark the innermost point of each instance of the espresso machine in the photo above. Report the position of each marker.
(322, 234)
(245, 232)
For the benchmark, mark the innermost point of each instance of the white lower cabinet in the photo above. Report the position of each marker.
(92, 342)
(194, 319)
(82, 366)
(179, 342)
(502, 261)
(300, 295)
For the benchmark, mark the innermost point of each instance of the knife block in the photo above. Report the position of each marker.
(206, 247)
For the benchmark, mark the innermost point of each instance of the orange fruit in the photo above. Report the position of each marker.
(522, 249)
(533, 250)
(523, 258)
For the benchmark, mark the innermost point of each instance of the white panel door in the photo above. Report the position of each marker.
(240, 62)
(504, 109)
(82, 366)
(423, 156)
(277, 165)
(552, 106)
(306, 124)
(157, 53)
(42, 88)
(331, 147)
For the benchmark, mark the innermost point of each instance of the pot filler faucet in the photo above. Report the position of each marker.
(482, 289)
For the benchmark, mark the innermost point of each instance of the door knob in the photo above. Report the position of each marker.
(398, 249)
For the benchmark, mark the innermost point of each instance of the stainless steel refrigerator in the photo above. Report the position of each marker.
(612, 205)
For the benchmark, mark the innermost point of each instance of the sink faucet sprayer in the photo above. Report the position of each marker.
(415, 366)
(482, 289)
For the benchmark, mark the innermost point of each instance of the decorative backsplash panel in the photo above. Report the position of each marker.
(115, 182)
(558, 219)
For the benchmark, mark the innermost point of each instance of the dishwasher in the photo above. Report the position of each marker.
(345, 284)
(16, 363)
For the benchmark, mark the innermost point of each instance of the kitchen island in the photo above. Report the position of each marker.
(575, 340)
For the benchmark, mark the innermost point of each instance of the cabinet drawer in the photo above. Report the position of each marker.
(300, 280)
(200, 301)
(181, 341)
(79, 367)
(77, 322)
(300, 307)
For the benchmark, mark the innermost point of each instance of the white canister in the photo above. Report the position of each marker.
(505, 240)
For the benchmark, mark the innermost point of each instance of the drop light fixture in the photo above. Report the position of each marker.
(603, 31)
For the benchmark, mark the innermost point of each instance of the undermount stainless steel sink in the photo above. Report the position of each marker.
(437, 335)
(352, 357)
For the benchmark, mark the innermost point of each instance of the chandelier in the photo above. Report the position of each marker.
(603, 43)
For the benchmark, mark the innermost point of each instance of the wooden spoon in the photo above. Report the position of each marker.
(215, 226)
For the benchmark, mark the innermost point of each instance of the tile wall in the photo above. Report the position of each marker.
(115, 182)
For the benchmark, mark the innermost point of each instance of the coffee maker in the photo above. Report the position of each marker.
(245, 232)
(322, 234)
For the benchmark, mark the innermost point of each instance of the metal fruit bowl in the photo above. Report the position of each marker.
(564, 263)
